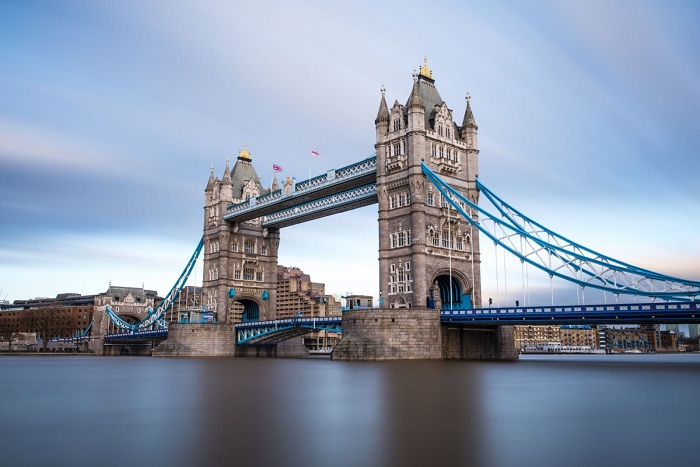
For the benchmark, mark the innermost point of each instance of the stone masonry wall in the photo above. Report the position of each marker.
(390, 334)
(479, 343)
(198, 340)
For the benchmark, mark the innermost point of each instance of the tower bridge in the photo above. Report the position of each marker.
(423, 177)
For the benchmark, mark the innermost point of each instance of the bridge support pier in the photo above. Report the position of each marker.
(465, 342)
(197, 340)
(417, 334)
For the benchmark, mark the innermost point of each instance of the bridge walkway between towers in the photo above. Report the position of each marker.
(336, 191)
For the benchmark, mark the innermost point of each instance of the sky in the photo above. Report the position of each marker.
(111, 114)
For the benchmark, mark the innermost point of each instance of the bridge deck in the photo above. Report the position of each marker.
(636, 313)
(336, 191)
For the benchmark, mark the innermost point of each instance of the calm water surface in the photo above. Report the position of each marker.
(638, 410)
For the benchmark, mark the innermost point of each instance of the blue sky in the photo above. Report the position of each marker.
(112, 112)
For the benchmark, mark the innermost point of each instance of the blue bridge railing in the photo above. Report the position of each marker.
(634, 313)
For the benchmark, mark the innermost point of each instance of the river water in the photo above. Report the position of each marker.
(597, 410)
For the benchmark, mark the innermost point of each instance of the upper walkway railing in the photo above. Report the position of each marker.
(332, 182)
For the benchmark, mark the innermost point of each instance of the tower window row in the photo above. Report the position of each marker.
(400, 277)
(443, 153)
(446, 239)
(213, 273)
(212, 298)
(214, 246)
(398, 148)
(249, 247)
(398, 200)
(400, 239)
(447, 132)
(247, 274)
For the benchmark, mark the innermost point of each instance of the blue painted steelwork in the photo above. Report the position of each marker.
(137, 335)
(273, 331)
(631, 313)
(359, 173)
(558, 256)
(76, 335)
(366, 194)
(156, 317)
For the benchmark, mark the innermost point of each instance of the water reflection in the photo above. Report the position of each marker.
(545, 411)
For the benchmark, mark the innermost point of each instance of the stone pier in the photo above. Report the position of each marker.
(218, 340)
(416, 334)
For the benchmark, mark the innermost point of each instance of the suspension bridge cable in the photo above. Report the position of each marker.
(573, 261)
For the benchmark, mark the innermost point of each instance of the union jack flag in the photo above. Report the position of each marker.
(276, 168)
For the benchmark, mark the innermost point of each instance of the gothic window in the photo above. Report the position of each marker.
(433, 150)
(249, 246)
(442, 152)
(397, 124)
(406, 199)
(397, 148)
(448, 132)
(392, 202)
(237, 274)
(392, 268)
(392, 243)
(460, 245)
(440, 130)
(447, 240)
(399, 199)
(234, 247)
(449, 153)
(248, 274)
(429, 199)
(402, 240)
(436, 240)
(263, 250)
(407, 266)
(259, 276)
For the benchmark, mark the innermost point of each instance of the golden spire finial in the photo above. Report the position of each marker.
(244, 154)
(424, 70)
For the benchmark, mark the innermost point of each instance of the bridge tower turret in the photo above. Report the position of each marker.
(240, 259)
(428, 256)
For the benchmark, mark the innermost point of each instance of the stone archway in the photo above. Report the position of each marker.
(451, 291)
(242, 310)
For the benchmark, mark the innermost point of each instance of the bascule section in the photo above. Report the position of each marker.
(428, 255)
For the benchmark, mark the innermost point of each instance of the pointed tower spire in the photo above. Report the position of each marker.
(469, 121)
(212, 179)
(469, 128)
(227, 173)
(275, 184)
(415, 100)
(383, 114)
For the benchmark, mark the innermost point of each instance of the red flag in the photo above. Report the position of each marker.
(276, 168)
(315, 153)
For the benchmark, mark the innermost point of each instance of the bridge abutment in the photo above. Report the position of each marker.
(392, 334)
(417, 334)
(198, 340)
(465, 342)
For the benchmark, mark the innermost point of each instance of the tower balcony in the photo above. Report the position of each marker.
(445, 165)
(396, 162)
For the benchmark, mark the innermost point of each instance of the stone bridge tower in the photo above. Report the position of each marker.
(428, 255)
(240, 259)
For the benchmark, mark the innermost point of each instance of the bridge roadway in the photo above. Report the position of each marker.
(336, 191)
(260, 333)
